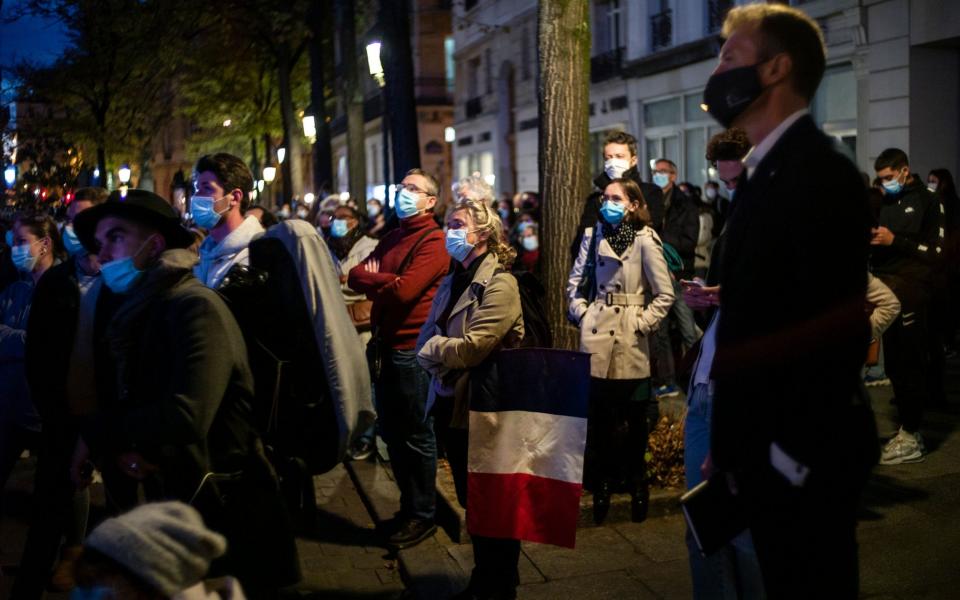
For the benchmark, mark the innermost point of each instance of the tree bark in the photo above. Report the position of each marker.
(352, 94)
(563, 37)
(398, 67)
(292, 167)
(322, 153)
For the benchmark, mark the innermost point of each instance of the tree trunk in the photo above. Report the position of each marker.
(255, 162)
(322, 154)
(352, 94)
(102, 165)
(398, 67)
(563, 36)
(292, 167)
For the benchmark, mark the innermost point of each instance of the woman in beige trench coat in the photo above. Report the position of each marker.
(616, 322)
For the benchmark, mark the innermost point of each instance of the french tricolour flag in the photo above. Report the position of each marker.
(525, 466)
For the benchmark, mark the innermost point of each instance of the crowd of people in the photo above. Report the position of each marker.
(126, 345)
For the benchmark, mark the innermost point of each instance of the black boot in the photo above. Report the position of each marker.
(639, 502)
(601, 502)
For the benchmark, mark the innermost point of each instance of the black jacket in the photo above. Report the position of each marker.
(50, 337)
(918, 225)
(679, 225)
(793, 333)
(591, 206)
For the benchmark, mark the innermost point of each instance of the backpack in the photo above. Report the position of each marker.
(536, 327)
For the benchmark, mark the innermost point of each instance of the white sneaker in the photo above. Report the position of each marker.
(903, 448)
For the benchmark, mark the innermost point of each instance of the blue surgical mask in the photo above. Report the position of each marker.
(613, 212)
(204, 215)
(662, 180)
(373, 210)
(504, 213)
(407, 204)
(22, 259)
(339, 228)
(97, 592)
(892, 187)
(457, 245)
(9, 238)
(120, 275)
(530, 243)
(72, 242)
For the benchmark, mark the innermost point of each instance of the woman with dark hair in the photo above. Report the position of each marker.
(622, 260)
(36, 246)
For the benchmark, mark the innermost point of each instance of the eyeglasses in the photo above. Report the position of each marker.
(411, 188)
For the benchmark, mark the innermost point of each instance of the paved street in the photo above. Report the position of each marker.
(910, 541)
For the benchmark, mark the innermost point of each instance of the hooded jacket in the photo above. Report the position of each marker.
(216, 259)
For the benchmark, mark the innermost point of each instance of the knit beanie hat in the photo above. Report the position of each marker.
(165, 544)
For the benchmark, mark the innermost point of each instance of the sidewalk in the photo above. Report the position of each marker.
(909, 533)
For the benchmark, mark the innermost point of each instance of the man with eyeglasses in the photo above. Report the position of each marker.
(401, 276)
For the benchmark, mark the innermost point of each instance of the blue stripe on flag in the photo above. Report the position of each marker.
(538, 380)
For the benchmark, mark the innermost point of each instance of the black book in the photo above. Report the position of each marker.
(715, 516)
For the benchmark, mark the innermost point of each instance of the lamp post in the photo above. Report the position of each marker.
(281, 154)
(10, 175)
(269, 174)
(376, 71)
(124, 174)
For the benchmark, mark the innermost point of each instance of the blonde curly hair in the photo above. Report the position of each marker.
(487, 219)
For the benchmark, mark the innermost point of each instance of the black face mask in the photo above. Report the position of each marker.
(728, 94)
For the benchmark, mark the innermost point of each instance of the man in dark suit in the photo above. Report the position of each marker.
(796, 443)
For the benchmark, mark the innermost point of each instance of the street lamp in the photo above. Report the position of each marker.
(269, 174)
(124, 173)
(281, 154)
(376, 71)
(309, 126)
(449, 135)
(10, 175)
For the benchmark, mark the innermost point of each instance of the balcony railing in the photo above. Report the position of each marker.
(474, 107)
(606, 65)
(716, 12)
(661, 30)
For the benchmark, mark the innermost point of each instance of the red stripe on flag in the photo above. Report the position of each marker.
(523, 507)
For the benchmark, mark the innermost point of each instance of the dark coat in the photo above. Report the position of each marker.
(50, 337)
(792, 334)
(919, 226)
(184, 386)
(679, 226)
(591, 206)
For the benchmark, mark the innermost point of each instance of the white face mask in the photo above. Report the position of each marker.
(711, 193)
(615, 167)
(932, 186)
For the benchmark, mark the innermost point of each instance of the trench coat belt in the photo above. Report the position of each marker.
(611, 299)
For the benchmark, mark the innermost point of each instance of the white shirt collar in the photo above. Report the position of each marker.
(758, 152)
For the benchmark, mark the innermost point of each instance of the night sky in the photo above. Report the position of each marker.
(30, 38)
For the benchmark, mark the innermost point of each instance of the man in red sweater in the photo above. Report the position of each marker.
(401, 276)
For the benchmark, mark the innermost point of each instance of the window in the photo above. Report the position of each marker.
(473, 77)
(663, 112)
(836, 99)
(613, 23)
(448, 63)
(488, 68)
(525, 54)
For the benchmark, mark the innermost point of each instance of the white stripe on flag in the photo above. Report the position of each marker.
(534, 443)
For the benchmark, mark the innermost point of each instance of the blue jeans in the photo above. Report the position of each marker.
(733, 571)
(401, 397)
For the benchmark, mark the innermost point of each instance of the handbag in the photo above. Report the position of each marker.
(588, 280)
(360, 314)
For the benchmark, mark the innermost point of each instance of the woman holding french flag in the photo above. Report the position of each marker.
(619, 267)
(475, 313)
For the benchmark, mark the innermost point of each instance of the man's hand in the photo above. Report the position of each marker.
(701, 297)
(881, 236)
(133, 465)
(372, 266)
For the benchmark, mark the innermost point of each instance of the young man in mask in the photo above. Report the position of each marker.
(222, 182)
(401, 276)
(619, 160)
(906, 246)
(792, 433)
(181, 408)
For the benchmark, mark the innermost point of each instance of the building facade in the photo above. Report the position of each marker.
(892, 79)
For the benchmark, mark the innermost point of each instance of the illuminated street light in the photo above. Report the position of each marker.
(309, 126)
(260, 185)
(10, 175)
(373, 62)
(449, 134)
(281, 154)
(308, 198)
(269, 174)
(227, 123)
(124, 173)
